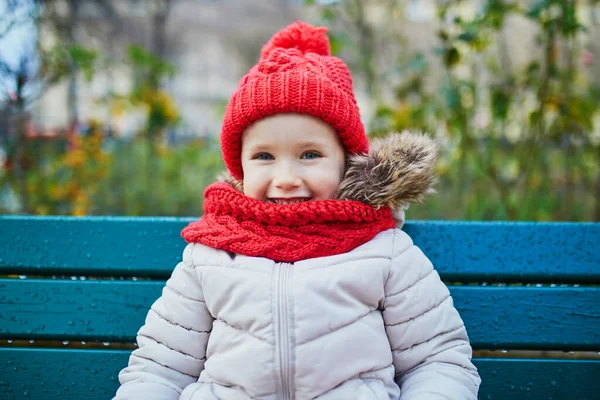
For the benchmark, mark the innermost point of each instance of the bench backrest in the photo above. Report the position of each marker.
(74, 292)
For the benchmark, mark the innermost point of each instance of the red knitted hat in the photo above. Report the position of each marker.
(295, 73)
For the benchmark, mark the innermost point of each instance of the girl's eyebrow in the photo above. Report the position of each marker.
(311, 144)
(258, 147)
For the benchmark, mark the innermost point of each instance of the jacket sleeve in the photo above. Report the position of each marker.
(430, 347)
(172, 343)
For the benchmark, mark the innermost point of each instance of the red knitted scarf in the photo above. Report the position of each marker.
(284, 232)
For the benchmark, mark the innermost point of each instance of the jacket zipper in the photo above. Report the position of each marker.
(283, 271)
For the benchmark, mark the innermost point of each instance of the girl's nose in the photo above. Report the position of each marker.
(286, 179)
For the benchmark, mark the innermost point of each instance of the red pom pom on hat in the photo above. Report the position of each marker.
(301, 36)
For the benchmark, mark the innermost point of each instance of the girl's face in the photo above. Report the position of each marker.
(290, 158)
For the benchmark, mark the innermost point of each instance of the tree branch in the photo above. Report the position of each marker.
(16, 14)
(7, 29)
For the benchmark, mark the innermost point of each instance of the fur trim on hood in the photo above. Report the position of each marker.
(398, 170)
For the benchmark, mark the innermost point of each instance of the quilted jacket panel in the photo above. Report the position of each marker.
(374, 323)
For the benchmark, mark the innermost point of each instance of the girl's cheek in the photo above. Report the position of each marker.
(256, 182)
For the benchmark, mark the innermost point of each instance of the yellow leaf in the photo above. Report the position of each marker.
(79, 211)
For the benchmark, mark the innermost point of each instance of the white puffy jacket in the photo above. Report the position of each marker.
(374, 323)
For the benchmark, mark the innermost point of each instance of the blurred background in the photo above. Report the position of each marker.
(113, 107)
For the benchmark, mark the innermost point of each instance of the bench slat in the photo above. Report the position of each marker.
(511, 251)
(109, 246)
(461, 251)
(538, 378)
(92, 374)
(115, 310)
(37, 373)
(69, 310)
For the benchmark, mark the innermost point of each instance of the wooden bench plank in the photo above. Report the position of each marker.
(535, 379)
(36, 373)
(108, 246)
(530, 317)
(547, 318)
(461, 251)
(86, 310)
(537, 252)
(93, 374)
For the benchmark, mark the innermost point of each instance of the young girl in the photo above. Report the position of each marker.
(297, 282)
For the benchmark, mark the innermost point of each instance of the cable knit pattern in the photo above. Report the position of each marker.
(284, 232)
(296, 73)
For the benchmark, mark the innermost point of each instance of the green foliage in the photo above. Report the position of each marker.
(518, 144)
(149, 72)
(176, 187)
(149, 69)
(68, 174)
(89, 174)
(85, 59)
(523, 143)
(59, 62)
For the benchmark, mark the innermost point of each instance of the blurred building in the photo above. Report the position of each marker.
(212, 43)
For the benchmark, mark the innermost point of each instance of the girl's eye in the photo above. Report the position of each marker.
(310, 155)
(263, 157)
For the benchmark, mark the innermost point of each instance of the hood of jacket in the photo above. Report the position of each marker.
(398, 170)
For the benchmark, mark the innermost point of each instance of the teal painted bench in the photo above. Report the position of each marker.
(74, 291)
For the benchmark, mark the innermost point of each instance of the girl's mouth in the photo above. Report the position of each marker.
(294, 200)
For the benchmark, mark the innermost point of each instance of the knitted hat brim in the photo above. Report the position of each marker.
(290, 92)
